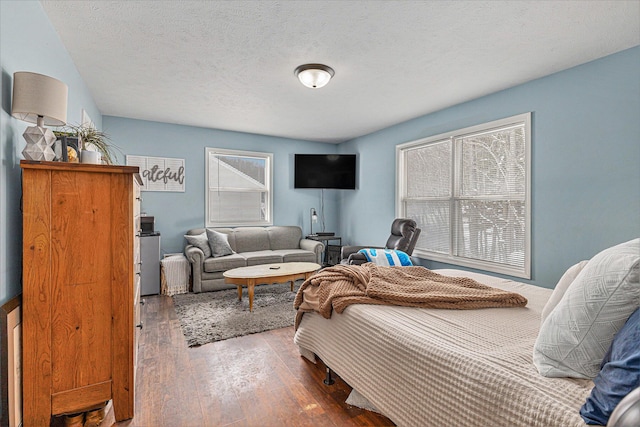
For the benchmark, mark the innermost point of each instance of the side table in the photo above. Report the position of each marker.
(331, 251)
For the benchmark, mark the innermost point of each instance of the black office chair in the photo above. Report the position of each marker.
(404, 235)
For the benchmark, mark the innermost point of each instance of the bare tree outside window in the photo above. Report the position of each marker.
(468, 191)
(492, 195)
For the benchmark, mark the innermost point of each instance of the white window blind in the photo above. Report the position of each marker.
(468, 190)
(238, 188)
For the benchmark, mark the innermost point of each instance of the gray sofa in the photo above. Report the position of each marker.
(252, 246)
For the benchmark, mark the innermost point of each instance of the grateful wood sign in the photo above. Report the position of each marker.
(159, 173)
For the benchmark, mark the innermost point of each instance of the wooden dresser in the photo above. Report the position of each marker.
(80, 290)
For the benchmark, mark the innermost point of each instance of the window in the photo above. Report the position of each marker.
(469, 192)
(238, 188)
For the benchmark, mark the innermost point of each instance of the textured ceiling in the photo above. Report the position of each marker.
(229, 64)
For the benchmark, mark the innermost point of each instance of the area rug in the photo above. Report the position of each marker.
(215, 316)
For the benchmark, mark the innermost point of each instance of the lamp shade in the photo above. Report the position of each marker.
(314, 75)
(37, 95)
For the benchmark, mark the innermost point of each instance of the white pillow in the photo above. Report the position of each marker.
(563, 284)
(578, 332)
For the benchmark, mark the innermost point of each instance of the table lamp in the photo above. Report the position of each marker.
(41, 100)
(314, 218)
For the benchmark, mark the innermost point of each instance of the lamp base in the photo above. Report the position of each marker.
(39, 143)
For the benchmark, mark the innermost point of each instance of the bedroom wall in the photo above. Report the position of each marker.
(28, 42)
(585, 162)
(175, 212)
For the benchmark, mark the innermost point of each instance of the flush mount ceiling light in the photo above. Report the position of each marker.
(314, 75)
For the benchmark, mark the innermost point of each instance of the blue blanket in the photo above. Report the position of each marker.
(386, 257)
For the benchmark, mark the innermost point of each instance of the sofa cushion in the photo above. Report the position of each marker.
(296, 255)
(284, 237)
(251, 239)
(219, 243)
(575, 337)
(212, 265)
(261, 257)
(199, 241)
(563, 284)
(619, 376)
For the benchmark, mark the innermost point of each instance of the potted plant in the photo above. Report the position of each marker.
(91, 138)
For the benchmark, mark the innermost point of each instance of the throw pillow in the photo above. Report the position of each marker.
(219, 243)
(199, 241)
(386, 257)
(563, 284)
(619, 376)
(576, 335)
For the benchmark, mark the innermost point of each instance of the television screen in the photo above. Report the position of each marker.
(325, 171)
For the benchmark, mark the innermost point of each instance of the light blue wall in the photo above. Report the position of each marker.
(175, 213)
(586, 151)
(28, 42)
(586, 155)
(585, 162)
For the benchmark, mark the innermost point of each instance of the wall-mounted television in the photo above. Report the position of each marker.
(325, 171)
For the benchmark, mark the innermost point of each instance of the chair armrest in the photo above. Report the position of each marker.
(196, 259)
(313, 246)
(345, 251)
(194, 254)
(348, 250)
(357, 259)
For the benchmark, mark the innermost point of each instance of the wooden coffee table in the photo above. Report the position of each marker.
(268, 274)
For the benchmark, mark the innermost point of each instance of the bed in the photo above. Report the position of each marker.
(437, 367)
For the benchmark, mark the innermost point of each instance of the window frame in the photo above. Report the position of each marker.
(523, 271)
(268, 158)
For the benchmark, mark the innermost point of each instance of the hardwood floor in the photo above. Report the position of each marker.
(255, 380)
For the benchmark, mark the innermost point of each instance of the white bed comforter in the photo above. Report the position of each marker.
(434, 367)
